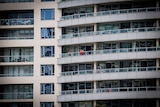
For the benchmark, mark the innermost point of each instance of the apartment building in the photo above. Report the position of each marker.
(79, 53)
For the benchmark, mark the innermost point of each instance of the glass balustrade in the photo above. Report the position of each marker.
(15, 71)
(65, 0)
(22, 58)
(108, 51)
(16, 95)
(110, 70)
(105, 90)
(16, 75)
(117, 31)
(121, 89)
(25, 21)
(83, 91)
(111, 12)
(16, 37)
(77, 72)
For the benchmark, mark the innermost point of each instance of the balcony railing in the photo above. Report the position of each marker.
(16, 95)
(22, 58)
(117, 31)
(15, 75)
(111, 12)
(104, 90)
(26, 21)
(65, 0)
(110, 70)
(121, 89)
(83, 91)
(16, 37)
(109, 51)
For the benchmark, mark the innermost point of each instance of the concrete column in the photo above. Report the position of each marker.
(94, 103)
(134, 44)
(95, 8)
(157, 103)
(59, 14)
(95, 27)
(157, 3)
(95, 85)
(157, 62)
(95, 46)
(157, 82)
(157, 45)
(157, 23)
(95, 64)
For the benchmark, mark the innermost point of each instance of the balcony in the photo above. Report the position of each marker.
(110, 93)
(22, 58)
(110, 54)
(11, 22)
(113, 73)
(16, 95)
(110, 35)
(72, 3)
(109, 16)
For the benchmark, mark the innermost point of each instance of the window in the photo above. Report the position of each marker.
(15, 1)
(17, 104)
(47, 14)
(47, 33)
(146, 43)
(47, 88)
(47, 104)
(26, 70)
(47, 0)
(78, 10)
(47, 51)
(78, 29)
(47, 70)
(77, 86)
(78, 104)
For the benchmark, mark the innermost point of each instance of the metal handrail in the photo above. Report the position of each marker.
(118, 89)
(16, 95)
(109, 70)
(109, 51)
(15, 75)
(82, 91)
(17, 58)
(128, 89)
(16, 37)
(111, 12)
(18, 21)
(104, 32)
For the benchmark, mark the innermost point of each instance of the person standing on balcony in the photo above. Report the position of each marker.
(69, 53)
(81, 52)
